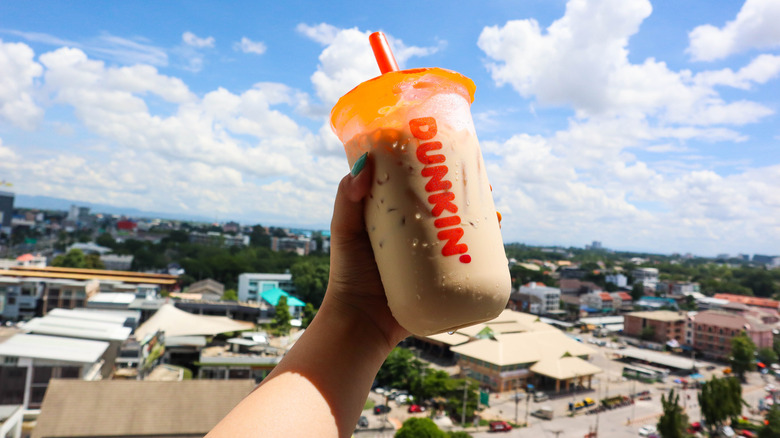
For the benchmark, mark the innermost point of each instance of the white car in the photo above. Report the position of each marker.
(647, 430)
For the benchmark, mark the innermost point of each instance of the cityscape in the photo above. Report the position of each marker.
(591, 338)
(527, 219)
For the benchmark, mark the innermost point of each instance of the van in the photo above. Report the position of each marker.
(545, 412)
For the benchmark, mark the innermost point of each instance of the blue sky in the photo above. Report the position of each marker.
(645, 125)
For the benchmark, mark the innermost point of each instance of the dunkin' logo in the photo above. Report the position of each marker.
(424, 128)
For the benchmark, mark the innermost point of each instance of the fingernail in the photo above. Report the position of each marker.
(359, 164)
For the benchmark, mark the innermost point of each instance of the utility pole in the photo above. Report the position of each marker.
(463, 413)
(517, 401)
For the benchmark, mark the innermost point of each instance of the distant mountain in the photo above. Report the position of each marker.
(51, 203)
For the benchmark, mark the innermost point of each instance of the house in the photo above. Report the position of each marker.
(665, 325)
(598, 302)
(617, 279)
(749, 301)
(657, 303)
(525, 303)
(132, 408)
(272, 297)
(623, 301)
(647, 276)
(251, 286)
(572, 286)
(550, 296)
(208, 289)
(30, 361)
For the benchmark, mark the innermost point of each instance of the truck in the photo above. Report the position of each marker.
(545, 412)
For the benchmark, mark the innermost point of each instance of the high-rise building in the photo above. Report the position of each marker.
(6, 212)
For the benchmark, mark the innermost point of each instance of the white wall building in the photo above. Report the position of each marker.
(647, 276)
(550, 296)
(251, 286)
(618, 280)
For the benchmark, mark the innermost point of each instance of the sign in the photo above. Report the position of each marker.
(484, 398)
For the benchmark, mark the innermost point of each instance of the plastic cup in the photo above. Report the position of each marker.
(430, 213)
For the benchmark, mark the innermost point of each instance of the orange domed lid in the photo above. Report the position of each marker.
(380, 96)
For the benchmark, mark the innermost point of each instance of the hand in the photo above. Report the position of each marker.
(354, 285)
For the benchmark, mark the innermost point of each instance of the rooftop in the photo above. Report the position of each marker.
(78, 328)
(659, 315)
(678, 362)
(750, 301)
(53, 348)
(137, 408)
(522, 348)
(175, 322)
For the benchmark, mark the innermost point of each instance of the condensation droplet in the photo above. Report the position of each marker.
(450, 333)
(417, 216)
(414, 243)
(419, 297)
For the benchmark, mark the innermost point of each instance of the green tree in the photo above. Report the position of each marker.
(400, 369)
(720, 399)
(772, 427)
(673, 422)
(742, 354)
(767, 356)
(75, 258)
(310, 277)
(308, 315)
(637, 291)
(230, 295)
(107, 240)
(420, 428)
(92, 261)
(458, 434)
(259, 237)
(281, 321)
(647, 333)
(776, 346)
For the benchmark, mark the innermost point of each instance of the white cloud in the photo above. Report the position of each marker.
(347, 59)
(248, 46)
(755, 27)
(20, 70)
(193, 40)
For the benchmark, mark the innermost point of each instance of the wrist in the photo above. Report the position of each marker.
(374, 332)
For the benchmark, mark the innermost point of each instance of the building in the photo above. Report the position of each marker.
(750, 301)
(11, 420)
(713, 330)
(618, 279)
(295, 306)
(218, 239)
(598, 302)
(548, 359)
(297, 244)
(770, 261)
(6, 213)
(525, 303)
(571, 272)
(622, 301)
(550, 296)
(666, 325)
(30, 361)
(647, 276)
(657, 303)
(208, 289)
(250, 286)
(573, 286)
(117, 262)
(131, 408)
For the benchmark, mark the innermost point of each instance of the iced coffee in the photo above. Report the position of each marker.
(430, 213)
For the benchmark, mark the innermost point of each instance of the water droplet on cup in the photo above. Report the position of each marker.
(414, 243)
(450, 333)
(417, 216)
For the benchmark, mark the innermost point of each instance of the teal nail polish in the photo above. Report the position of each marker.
(359, 164)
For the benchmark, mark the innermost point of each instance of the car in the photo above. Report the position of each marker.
(416, 408)
(404, 398)
(381, 409)
(379, 390)
(363, 421)
(540, 396)
(647, 430)
(500, 426)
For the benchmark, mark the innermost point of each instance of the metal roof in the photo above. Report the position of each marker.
(113, 298)
(53, 348)
(92, 315)
(78, 328)
(85, 276)
(680, 363)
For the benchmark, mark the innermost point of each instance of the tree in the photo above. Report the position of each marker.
(309, 312)
(420, 428)
(673, 422)
(637, 291)
(310, 277)
(458, 434)
(647, 333)
(400, 369)
(107, 240)
(771, 428)
(767, 356)
(720, 399)
(281, 322)
(230, 295)
(73, 259)
(92, 261)
(742, 353)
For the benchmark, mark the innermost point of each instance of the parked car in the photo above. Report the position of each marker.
(404, 398)
(545, 412)
(363, 421)
(500, 426)
(379, 390)
(381, 409)
(647, 430)
(416, 408)
(540, 396)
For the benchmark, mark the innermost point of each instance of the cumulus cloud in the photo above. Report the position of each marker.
(193, 40)
(347, 59)
(248, 46)
(16, 86)
(755, 27)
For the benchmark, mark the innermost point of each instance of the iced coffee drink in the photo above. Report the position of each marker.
(430, 213)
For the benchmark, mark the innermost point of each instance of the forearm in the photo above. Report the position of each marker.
(321, 384)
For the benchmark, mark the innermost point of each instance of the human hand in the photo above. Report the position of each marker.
(354, 286)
